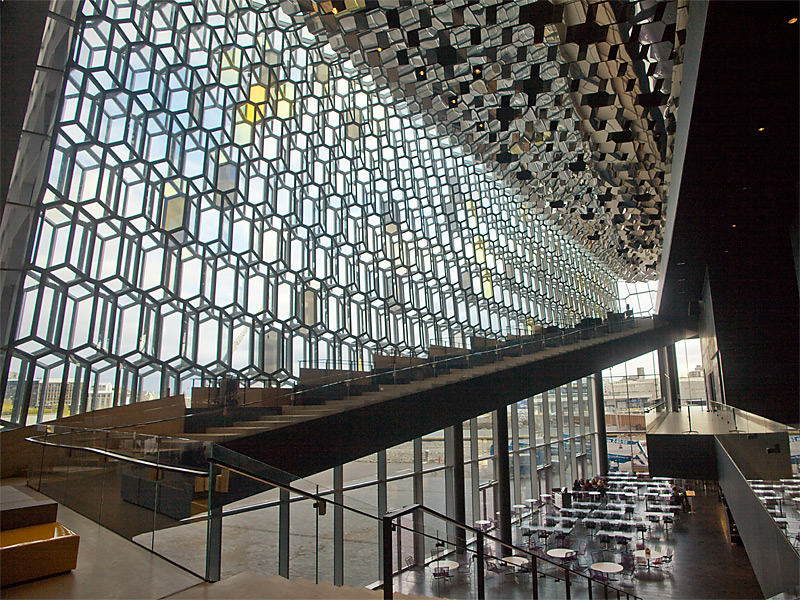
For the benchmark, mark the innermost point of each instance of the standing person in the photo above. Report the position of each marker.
(685, 502)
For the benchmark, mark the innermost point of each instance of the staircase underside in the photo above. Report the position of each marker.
(332, 435)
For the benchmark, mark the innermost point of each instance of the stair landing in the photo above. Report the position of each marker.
(247, 585)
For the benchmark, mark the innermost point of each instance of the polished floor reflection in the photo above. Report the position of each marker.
(705, 565)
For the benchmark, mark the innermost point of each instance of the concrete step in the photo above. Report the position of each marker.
(210, 437)
(306, 411)
(237, 431)
(280, 418)
(297, 413)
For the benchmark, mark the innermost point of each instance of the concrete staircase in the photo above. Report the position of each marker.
(248, 585)
(294, 414)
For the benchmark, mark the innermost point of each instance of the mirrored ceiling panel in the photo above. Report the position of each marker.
(573, 104)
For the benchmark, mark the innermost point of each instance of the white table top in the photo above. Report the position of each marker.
(444, 564)
(561, 553)
(517, 561)
(654, 554)
(606, 567)
(483, 522)
(626, 534)
(519, 506)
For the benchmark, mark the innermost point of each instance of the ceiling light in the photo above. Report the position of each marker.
(734, 225)
(761, 129)
(793, 20)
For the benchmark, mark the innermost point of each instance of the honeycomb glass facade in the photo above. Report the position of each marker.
(229, 195)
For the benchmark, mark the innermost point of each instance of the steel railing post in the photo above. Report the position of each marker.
(479, 566)
(213, 530)
(388, 592)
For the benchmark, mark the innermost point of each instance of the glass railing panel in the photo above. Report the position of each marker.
(181, 507)
(86, 473)
(305, 542)
(311, 533)
(36, 452)
(116, 479)
(255, 544)
(362, 548)
(54, 472)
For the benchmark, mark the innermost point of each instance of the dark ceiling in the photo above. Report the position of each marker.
(738, 199)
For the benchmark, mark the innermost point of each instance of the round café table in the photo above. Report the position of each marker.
(516, 561)
(483, 524)
(606, 567)
(519, 510)
(450, 565)
(654, 555)
(561, 553)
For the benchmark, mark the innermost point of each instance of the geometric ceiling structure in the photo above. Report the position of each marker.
(572, 104)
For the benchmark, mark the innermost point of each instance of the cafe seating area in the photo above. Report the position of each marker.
(630, 537)
(781, 499)
(627, 528)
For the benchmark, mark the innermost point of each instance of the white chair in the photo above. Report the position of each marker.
(412, 569)
(441, 574)
(465, 568)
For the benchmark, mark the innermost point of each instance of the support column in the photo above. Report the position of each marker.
(455, 460)
(503, 479)
(382, 506)
(672, 372)
(475, 473)
(418, 518)
(338, 526)
(663, 377)
(600, 421)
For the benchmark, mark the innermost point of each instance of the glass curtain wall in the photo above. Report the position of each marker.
(418, 471)
(220, 173)
(633, 388)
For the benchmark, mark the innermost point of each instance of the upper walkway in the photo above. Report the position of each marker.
(323, 436)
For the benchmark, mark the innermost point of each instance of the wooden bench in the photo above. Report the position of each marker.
(484, 350)
(316, 386)
(399, 369)
(32, 543)
(445, 358)
(208, 397)
(17, 509)
(37, 551)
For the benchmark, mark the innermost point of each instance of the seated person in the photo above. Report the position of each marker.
(601, 487)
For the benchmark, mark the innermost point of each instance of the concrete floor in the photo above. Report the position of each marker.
(709, 423)
(109, 566)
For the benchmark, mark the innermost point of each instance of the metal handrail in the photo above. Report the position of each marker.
(321, 502)
(120, 457)
(432, 363)
(387, 519)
